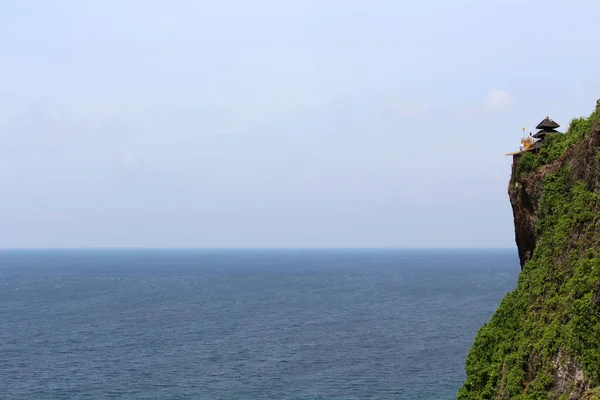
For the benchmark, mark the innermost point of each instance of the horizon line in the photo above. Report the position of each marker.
(250, 248)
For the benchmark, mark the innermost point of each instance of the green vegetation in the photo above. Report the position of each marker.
(553, 316)
(553, 147)
(550, 311)
(593, 394)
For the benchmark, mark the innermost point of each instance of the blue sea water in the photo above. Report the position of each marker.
(285, 324)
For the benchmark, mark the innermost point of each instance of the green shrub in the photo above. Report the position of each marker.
(526, 164)
(552, 148)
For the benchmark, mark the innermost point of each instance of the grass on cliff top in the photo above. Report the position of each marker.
(554, 313)
(555, 145)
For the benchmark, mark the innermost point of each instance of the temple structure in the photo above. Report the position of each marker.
(533, 143)
(546, 127)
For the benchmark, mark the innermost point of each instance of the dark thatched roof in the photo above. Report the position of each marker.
(546, 124)
(542, 133)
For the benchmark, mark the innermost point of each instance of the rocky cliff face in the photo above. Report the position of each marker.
(543, 342)
(525, 191)
(524, 197)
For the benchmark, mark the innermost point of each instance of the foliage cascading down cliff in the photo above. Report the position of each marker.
(553, 315)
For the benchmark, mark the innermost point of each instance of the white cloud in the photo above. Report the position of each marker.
(495, 102)
(498, 100)
(127, 159)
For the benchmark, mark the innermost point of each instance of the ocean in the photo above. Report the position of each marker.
(244, 324)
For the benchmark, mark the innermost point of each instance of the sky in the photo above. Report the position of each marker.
(279, 124)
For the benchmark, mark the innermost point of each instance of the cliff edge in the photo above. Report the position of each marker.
(543, 342)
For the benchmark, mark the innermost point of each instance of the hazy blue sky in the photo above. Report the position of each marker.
(323, 123)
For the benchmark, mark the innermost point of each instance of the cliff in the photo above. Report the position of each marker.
(543, 342)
